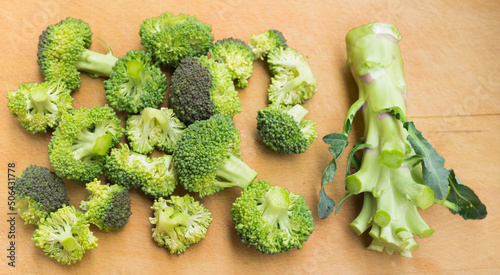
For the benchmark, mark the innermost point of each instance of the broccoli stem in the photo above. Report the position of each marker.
(70, 244)
(174, 20)
(297, 112)
(88, 143)
(96, 64)
(234, 172)
(275, 207)
(40, 101)
(167, 222)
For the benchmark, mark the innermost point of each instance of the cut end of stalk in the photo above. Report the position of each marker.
(426, 233)
(391, 158)
(38, 95)
(382, 218)
(102, 144)
(426, 199)
(70, 244)
(353, 184)
(134, 68)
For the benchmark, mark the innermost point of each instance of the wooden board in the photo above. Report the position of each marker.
(451, 53)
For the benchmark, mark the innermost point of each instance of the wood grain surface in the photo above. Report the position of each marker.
(451, 54)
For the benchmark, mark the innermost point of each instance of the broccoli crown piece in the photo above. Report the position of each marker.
(65, 235)
(262, 44)
(179, 222)
(152, 128)
(293, 81)
(170, 38)
(155, 176)
(271, 219)
(108, 207)
(39, 106)
(135, 83)
(207, 157)
(38, 192)
(200, 88)
(78, 148)
(236, 57)
(284, 129)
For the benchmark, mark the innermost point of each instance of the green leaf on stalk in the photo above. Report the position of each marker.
(469, 203)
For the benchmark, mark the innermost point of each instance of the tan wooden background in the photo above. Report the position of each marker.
(451, 54)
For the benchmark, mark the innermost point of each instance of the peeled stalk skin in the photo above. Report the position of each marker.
(391, 188)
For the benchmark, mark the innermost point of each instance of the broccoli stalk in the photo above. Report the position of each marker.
(96, 64)
(234, 172)
(400, 171)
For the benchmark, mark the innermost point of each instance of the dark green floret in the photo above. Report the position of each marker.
(179, 222)
(284, 129)
(62, 53)
(39, 106)
(236, 57)
(207, 157)
(135, 83)
(154, 176)
(170, 38)
(65, 235)
(200, 88)
(79, 145)
(108, 207)
(38, 192)
(154, 128)
(271, 219)
(262, 44)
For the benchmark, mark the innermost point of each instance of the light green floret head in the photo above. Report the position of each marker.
(65, 235)
(236, 57)
(271, 219)
(39, 106)
(108, 207)
(293, 81)
(284, 129)
(38, 192)
(154, 128)
(135, 83)
(170, 38)
(179, 222)
(154, 176)
(78, 148)
(207, 157)
(262, 44)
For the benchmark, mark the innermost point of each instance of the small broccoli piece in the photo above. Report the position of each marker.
(179, 222)
(65, 235)
(152, 128)
(170, 38)
(108, 207)
(39, 106)
(135, 83)
(38, 192)
(271, 219)
(236, 57)
(79, 145)
(207, 157)
(62, 53)
(200, 88)
(293, 81)
(155, 176)
(262, 44)
(284, 129)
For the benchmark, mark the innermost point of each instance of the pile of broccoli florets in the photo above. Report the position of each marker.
(194, 140)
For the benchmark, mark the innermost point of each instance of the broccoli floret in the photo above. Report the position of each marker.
(262, 43)
(200, 88)
(236, 57)
(108, 207)
(135, 83)
(79, 145)
(65, 235)
(271, 219)
(207, 157)
(170, 38)
(293, 81)
(284, 129)
(179, 222)
(38, 192)
(152, 128)
(154, 176)
(62, 53)
(39, 106)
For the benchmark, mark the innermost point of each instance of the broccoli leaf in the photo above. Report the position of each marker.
(434, 173)
(337, 143)
(470, 205)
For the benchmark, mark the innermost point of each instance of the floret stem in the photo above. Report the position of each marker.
(96, 64)
(41, 101)
(167, 222)
(275, 206)
(297, 112)
(392, 147)
(363, 220)
(174, 20)
(234, 172)
(134, 68)
(70, 244)
(102, 144)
